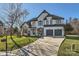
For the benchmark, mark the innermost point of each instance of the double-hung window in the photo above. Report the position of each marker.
(40, 23)
(58, 21)
(47, 22)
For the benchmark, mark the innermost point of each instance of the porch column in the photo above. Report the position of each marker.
(53, 32)
(36, 32)
(62, 32)
(44, 32)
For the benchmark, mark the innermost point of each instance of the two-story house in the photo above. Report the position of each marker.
(46, 24)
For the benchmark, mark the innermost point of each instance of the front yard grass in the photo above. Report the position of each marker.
(67, 48)
(22, 41)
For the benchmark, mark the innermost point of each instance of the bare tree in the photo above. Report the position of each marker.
(14, 15)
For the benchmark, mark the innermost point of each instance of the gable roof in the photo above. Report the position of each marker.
(53, 16)
(28, 22)
(35, 19)
(23, 24)
(44, 11)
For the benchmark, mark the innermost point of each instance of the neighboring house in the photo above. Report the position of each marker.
(1, 28)
(45, 24)
(75, 25)
(25, 29)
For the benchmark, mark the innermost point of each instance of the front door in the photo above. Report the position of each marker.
(49, 32)
(40, 32)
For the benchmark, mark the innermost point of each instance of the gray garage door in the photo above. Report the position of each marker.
(58, 32)
(49, 32)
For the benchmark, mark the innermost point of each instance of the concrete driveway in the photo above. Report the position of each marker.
(46, 46)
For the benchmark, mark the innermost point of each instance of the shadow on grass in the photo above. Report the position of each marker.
(66, 45)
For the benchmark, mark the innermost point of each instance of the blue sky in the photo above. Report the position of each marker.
(65, 10)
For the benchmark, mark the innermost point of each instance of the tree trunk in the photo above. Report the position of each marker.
(11, 28)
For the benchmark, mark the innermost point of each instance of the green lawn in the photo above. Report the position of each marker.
(22, 41)
(69, 47)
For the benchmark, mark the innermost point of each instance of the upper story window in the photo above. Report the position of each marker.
(50, 22)
(40, 23)
(58, 21)
(47, 22)
(33, 23)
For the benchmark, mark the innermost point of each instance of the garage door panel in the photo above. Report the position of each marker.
(58, 32)
(49, 32)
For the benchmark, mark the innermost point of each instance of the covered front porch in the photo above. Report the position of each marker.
(36, 31)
